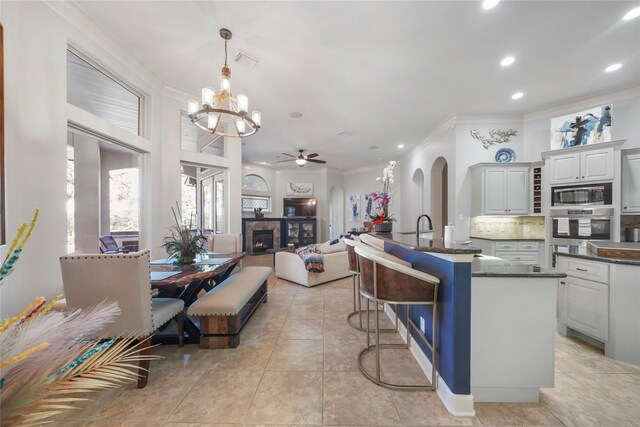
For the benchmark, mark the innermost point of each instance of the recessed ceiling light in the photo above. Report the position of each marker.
(633, 13)
(489, 4)
(263, 163)
(508, 60)
(517, 95)
(373, 147)
(295, 115)
(379, 158)
(613, 67)
(400, 146)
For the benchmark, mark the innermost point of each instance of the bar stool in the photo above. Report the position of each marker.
(385, 281)
(354, 269)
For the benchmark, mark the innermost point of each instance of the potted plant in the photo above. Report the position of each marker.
(184, 241)
(381, 220)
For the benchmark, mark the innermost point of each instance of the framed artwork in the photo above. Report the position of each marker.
(354, 203)
(299, 189)
(582, 128)
(368, 207)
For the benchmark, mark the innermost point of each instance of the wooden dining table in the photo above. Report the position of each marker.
(186, 282)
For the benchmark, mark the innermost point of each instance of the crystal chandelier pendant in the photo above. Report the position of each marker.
(220, 113)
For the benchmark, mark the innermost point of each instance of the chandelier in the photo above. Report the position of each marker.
(220, 113)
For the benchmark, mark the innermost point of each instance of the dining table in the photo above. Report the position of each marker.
(186, 282)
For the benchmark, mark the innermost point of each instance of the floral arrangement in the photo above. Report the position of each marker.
(50, 360)
(383, 198)
(184, 241)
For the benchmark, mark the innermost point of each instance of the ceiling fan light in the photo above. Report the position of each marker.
(192, 106)
(212, 121)
(256, 116)
(243, 103)
(207, 96)
(301, 162)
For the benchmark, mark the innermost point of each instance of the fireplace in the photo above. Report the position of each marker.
(262, 240)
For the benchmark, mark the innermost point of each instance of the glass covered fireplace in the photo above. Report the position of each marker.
(262, 240)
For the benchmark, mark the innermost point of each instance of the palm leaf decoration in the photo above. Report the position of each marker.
(107, 365)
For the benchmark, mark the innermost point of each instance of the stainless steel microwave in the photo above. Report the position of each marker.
(582, 195)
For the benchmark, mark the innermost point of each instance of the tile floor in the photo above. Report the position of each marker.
(296, 365)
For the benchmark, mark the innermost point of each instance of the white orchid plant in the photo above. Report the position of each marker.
(383, 198)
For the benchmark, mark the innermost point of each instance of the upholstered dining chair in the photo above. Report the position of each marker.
(225, 243)
(89, 279)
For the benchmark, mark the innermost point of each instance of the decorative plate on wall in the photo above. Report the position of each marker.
(505, 155)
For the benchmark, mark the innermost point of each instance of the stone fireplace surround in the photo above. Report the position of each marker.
(250, 224)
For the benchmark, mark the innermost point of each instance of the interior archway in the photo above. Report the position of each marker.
(439, 196)
(336, 212)
(417, 194)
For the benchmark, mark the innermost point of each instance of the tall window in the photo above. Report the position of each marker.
(96, 91)
(203, 198)
(103, 192)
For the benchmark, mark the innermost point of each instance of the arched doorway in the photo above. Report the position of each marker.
(417, 194)
(336, 212)
(439, 196)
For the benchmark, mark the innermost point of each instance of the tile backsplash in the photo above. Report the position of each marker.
(509, 227)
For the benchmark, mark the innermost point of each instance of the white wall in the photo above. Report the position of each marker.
(317, 177)
(363, 181)
(36, 37)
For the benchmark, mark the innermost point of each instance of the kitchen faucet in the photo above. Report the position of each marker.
(418, 224)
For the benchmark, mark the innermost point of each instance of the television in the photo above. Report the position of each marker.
(299, 207)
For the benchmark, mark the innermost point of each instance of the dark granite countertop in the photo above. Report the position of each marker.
(489, 266)
(427, 245)
(500, 239)
(594, 257)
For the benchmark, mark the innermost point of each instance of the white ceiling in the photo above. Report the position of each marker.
(388, 72)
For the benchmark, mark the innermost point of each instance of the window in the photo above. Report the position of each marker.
(97, 92)
(202, 198)
(219, 196)
(255, 193)
(189, 210)
(103, 191)
(123, 200)
(254, 183)
(197, 140)
(249, 203)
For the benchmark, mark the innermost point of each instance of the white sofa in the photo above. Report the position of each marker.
(289, 266)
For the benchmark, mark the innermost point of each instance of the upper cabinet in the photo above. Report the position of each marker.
(631, 181)
(586, 163)
(582, 166)
(500, 189)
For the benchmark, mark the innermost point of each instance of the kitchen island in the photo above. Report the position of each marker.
(496, 323)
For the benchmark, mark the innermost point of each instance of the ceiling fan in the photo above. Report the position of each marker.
(302, 159)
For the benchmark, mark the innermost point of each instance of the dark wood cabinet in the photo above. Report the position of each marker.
(300, 232)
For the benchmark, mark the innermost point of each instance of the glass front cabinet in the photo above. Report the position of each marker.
(301, 232)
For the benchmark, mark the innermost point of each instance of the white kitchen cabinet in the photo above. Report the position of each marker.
(631, 181)
(586, 306)
(523, 251)
(584, 303)
(582, 166)
(502, 190)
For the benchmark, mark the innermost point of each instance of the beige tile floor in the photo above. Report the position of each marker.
(296, 365)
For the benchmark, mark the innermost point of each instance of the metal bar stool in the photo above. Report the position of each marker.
(354, 269)
(385, 281)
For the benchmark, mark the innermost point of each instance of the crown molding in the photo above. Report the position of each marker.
(488, 118)
(447, 124)
(376, 167)
(301, 171)
(582, 103)
(75, 15)
(178, 94)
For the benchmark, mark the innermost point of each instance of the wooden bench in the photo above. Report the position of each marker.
(225, 309)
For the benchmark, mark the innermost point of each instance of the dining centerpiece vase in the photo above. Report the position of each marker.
(185, 241)
(381, 219)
